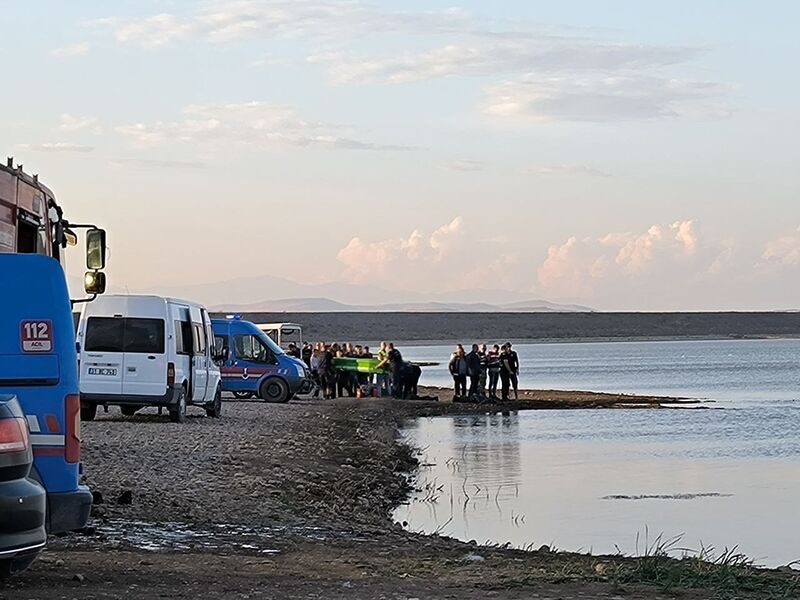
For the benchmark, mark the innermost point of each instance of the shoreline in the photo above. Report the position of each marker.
(319, 480)
(604, 340)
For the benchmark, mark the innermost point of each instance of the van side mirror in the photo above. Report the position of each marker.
(94, 282)
(96, 249)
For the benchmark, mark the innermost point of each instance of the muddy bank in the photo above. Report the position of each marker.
(294, 501)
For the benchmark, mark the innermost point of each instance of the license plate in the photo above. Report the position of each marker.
(102, 371)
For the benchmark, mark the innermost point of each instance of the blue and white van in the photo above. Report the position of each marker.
(39, 410)
(253, 365)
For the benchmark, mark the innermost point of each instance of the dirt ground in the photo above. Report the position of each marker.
(294, 501)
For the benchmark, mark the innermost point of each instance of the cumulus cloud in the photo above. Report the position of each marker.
(71, 51)
(602, 99)
(573, 268)
(783, 250)
(72, 123)
(56, 147)
(364, 261)
(257, 123)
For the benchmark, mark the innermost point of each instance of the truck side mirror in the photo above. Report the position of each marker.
(94, 282)
(96, 249)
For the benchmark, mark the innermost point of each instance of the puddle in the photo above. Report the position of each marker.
(182, 537)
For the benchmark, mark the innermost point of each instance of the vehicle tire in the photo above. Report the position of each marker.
(129, 411)
(88, 412)
(214, 409)
(177, 412)
(12, 566)
(242, 395)
(274, 390)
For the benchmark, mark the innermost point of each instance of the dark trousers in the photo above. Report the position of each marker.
(505, 378)
(514, 380)
(494, 378)
(327, 382)
(474, 383)
(460, 385)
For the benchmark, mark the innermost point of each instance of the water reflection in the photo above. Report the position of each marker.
(593, 480)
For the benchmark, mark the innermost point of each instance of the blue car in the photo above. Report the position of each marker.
(39, 411)
(253, 365)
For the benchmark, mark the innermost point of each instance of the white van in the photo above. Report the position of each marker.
(138, 351)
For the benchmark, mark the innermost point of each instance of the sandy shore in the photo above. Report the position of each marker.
(294, 501)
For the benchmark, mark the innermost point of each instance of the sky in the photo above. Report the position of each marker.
(620, 154)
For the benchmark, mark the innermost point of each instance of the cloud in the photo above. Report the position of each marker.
(574, 267)
(222, 21)
(602, 99)
(566, 169)
(71, 123)
(150, 163)
(256, 123)
(71, 51)
(366, 261)
(540, 54)
(463, 165)
(56, 147)
(784, 250)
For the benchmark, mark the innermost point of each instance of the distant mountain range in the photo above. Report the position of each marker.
(316, 305)
(277, 294)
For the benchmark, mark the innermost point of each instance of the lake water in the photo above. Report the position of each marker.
(604, 480)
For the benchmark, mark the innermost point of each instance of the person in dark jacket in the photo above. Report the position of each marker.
(513, 361)
(474, 369)
(306, 353)
(505, 370)
(493, 367)
(458, 369)
(327, 373)
(396, 363)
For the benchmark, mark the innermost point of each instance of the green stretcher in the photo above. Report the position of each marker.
(358, 365)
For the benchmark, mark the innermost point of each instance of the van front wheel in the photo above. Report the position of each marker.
(88, 411)
(214, 409)
(177, 412)
(274, 390)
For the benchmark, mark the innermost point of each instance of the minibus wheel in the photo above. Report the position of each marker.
(88, 411)
(214, 409)
(177, 412)
(274, 390)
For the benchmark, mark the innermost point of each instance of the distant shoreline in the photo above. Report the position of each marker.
(419, 328)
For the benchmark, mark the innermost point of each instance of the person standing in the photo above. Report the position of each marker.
(513, 361)
(395, 359)
(493, 367)
(484, 367)
(474, 370)
(458, 370)
(306, 353)
(327, 373)
(505, 370)
(384, 375)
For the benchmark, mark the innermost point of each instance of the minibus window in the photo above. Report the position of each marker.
(145, 336)
(109, 334)
(200, 339)
(183, 337)
(104, 334)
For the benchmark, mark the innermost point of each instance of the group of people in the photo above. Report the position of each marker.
(485, 368)
(392, 376)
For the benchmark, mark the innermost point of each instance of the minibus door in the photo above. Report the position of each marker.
(199, 357)
(145, 357)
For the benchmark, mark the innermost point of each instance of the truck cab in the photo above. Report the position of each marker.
(253, 365)
(38, 379)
